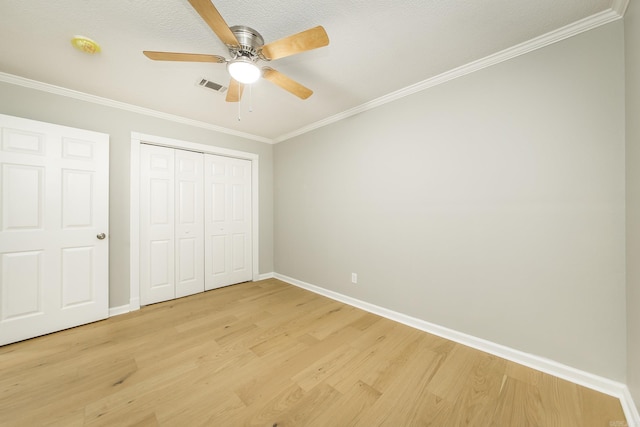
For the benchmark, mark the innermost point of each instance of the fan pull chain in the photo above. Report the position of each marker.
(250, 102)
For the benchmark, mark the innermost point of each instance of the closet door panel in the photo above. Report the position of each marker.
(157, 224)
(227, 221)
(189, 223)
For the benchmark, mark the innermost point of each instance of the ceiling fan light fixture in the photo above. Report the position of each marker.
(244, 70)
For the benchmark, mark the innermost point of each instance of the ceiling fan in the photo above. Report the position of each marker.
(246, 47)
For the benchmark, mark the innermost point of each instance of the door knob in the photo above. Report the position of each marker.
(101, 236)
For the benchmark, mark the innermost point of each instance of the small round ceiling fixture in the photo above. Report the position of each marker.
(85, 44)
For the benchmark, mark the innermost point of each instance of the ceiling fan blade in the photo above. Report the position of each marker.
(306, 40)
(212, 17)
(234, 93)
(286, 83)
(187, 57)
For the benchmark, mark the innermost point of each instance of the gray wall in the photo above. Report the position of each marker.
(47, 107)
(632, 46)
(493, 204)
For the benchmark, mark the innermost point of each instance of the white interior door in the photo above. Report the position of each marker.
(54, 193)
(157, 224)
(189, 225)
(227, 221)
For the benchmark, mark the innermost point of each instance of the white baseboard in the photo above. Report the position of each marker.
(123, 309)
(586, 379)
(116, 311)
(266, 276)
(134, 304)
(629, 408)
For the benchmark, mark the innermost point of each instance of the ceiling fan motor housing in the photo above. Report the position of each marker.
(250, 41)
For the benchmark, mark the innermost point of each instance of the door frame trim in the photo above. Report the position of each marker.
(134, 206)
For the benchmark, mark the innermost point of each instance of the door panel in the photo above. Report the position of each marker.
(77, 187)
(22, 140)
(22, 285)
(227, 221)
(238, 251)
(237, 202)
(157, 243)
(187, 250)
(77, 149)
(161, 259)
(217, 254)
(218, 202)
(22, 197)
(54, 195)
(77, 279)
(161, 201)
(189, 226)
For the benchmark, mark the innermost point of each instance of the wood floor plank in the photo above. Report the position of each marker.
(271, 354)
(347, 410)
(382, 358)
(269, 410)
(310, 410)
(476, 402)
(318, 371)
(519, 405)
(598, 409)
(395, 405)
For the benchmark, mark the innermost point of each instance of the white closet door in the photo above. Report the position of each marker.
(227, 221)
(54, 195)
(157, 224)
(189, 225)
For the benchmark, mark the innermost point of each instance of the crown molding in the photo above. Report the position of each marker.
(619, 6)
(57, 90)
(616, 12)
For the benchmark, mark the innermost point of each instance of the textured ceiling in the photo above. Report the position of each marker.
(376, 48)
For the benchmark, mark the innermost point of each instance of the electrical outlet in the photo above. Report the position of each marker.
(354, 278)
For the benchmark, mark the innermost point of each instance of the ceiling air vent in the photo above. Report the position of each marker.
(212, 85)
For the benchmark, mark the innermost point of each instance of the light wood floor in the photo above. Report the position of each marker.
(270, 354)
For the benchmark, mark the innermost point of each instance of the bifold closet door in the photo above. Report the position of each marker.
(171, 224)
(227, 214)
